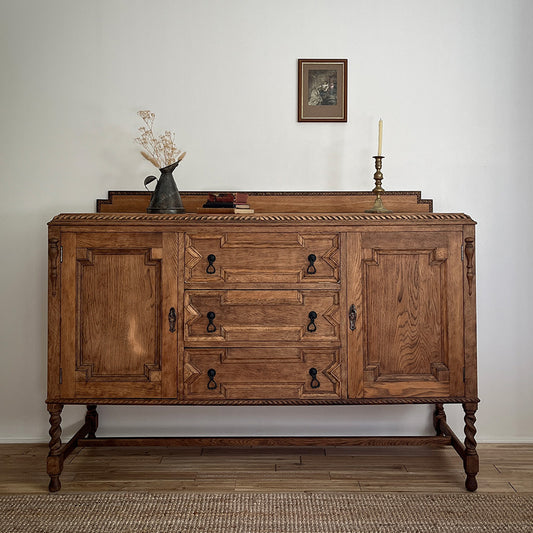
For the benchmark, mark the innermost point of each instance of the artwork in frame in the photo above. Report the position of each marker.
(322, 90)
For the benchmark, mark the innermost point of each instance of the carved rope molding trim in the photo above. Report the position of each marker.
(259, 217)
(214, 402)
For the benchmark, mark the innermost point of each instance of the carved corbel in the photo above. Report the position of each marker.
(469, 253)
(53, 256)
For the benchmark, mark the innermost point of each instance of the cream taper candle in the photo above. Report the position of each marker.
(380, 136)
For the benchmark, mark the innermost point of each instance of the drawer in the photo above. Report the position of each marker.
(261, 257)
(261, 373)
(247, 316)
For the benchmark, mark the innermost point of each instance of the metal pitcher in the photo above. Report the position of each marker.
(166, 197)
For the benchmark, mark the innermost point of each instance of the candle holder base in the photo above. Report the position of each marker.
(378, 207)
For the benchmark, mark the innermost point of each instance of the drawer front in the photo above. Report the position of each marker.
(268, 257)
(261, 374)
(246, 317)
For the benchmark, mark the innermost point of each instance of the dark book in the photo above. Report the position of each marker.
(218, 204)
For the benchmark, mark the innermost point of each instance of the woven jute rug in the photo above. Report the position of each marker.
(272, 513)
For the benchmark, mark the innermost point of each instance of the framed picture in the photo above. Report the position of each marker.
(322, 85)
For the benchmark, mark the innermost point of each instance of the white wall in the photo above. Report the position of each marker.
(451, 80)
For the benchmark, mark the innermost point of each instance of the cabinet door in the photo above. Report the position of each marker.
(406, 288)
(117, 336)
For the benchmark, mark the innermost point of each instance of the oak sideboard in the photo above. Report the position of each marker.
(307, 301)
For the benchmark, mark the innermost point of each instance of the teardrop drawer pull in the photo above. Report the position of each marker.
(212, 384)
(312, 317)
(211, 327)
(314, 382)
(311, 269)
(211, 258)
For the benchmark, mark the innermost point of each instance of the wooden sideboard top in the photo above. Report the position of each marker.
(324, 207)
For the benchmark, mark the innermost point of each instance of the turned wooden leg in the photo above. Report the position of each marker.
(54, 463)
(471, 459)
(91, 418)
(438, 416)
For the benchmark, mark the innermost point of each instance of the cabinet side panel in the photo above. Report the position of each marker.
(455, 318)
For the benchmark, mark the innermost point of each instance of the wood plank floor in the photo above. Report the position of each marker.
(503, 468)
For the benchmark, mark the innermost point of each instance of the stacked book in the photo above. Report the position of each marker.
(236, 202)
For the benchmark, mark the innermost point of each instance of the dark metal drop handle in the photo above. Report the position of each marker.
(311, 269)
(211, 384)
(172, 320)
(314, 382)
(211, 327)
(312, 317)
(211, 258)
(352, 316)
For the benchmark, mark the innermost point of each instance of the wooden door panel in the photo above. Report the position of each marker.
(247, 316)
(120, 343)
(119, 330)
(262, 373)
(409, 287)
(257, 257)
(411, 314)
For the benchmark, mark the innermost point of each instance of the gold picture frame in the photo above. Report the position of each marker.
(322, 90)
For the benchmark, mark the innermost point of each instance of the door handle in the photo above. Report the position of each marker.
(172, 320)
(352, 316)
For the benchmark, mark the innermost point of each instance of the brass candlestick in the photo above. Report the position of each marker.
(378, 189)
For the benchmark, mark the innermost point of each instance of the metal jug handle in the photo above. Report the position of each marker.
(148, 180)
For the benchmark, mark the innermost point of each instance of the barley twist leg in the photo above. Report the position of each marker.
(471, 459)
(54, 463)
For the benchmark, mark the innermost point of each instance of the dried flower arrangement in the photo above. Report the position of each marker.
(160, 151)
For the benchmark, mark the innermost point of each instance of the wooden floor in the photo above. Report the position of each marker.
(504, 468)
